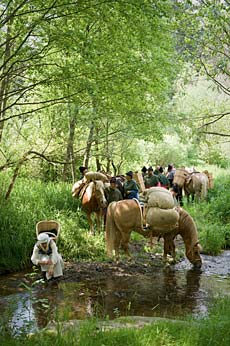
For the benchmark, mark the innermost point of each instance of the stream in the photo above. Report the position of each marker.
(171, 292)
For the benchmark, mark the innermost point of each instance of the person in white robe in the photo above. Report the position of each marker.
(45, 254)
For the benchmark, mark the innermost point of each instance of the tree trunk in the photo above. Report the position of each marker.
(5, 81)
(98, 164)
(89, 145)
(15, 175)
(107, 153)
(70, 149)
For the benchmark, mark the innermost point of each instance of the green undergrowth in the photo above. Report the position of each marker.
(210, 330)
(33, 200)
(212, 217)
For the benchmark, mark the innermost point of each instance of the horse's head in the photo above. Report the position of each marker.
(99, 193)
(180, 177)
(194, 255)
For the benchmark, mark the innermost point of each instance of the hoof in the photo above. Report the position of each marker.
(197, 265)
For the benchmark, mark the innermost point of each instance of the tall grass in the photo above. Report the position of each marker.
(32, 201)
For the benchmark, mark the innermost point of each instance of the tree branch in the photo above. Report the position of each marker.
(213, 121)
(223, 88)
(215, 133)
(47, 103)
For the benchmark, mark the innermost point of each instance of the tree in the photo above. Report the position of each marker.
(115, 63)
(202, 29)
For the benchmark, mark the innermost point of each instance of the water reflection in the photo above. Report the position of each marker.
(167, 294)
(45, 303)
(171, 292)
(17, 314)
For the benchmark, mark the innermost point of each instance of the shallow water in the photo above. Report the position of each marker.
(173, 291)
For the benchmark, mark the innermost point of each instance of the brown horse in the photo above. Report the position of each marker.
(92, 201)
(125, 216)
(188, 231)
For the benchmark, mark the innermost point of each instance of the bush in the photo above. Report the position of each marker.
(213, 217)
(219, 199)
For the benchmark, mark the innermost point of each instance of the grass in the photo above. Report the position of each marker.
(33, 200)
(211, 330)
(213, 217)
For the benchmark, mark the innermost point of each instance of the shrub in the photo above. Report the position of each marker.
(213, 217)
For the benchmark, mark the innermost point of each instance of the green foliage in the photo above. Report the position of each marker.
(31, 201)
(76, 242)
(197, 104)
(114, 62)
(216, 326)
(220, 199)
(212, 238)
(214, 154)
(116, 67)
(213, 216)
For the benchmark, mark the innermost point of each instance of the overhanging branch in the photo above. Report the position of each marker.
(215, 133)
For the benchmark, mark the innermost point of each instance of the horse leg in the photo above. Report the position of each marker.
(169, 249)
(188, 198)
(117, 243)
(166, 250)
(180, 197)
(91, 228)
(152, 242)
(125, 243)
(98, 220)
(173, 250)
(144, 214)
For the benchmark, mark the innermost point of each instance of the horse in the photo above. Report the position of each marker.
(193, 183)
(122, 218)
(188, 231)
(92, 200)
(125, 216)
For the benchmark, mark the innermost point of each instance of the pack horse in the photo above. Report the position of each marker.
(125, 216)
(93, 200)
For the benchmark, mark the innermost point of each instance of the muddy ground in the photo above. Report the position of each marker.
(142, 263)
(146, 261)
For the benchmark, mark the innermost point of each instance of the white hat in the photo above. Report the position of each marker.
(43, 238)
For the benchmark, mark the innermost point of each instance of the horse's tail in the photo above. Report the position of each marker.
(110, 229)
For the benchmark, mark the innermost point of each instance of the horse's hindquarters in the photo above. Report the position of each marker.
(127, 215)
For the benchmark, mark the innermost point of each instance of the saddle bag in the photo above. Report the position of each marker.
(158, 197)
(163, 220)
